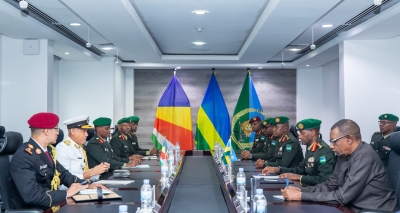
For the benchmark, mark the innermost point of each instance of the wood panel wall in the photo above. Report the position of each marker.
(276, 90)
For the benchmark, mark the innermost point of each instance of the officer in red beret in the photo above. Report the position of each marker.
(35, 172)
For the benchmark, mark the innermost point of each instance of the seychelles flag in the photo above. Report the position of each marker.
(173, 121)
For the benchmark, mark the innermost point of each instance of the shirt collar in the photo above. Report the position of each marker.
(44, 149)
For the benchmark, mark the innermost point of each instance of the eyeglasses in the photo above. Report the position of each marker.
(56, 128)
(384, 122)
(333, 141)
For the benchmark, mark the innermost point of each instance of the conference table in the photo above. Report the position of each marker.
(198, 186)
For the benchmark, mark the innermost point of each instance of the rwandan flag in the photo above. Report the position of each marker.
(226, 157)
(173, 121)
(247, 107)
(213, 122)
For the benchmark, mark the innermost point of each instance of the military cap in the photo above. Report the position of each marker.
(102, 121)
(389, 117)
(309, 123)
(281, 120)
(124, 120)
(134, 119)
(81, 122)
(267, 121)
(43, 120)
(254, 119)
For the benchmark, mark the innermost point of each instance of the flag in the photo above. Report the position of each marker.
(173, 121)
(232, 155)
(213, 122)
(164, 151)
(247, 107)
(226, 155)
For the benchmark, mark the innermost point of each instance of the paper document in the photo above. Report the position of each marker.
(266, 176)
(279, 197)
(150, 158)
(115, 182)
(92, 191)
(136, 167)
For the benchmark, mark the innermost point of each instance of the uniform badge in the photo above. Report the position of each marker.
(265, 123)
(312, 164)
(105, 149)
(256, 139)
(277, 120)
(262, 138)
(385, 116)
(38, 151)
(288, 147)
(28, 150)
(30, 146)
(273, 143)
(280, 149)
(126, 146)
(300, 126)
(43, 167)
(77, 146)
(311, 159)
(67, 142)
(322, 159)
(254, 119)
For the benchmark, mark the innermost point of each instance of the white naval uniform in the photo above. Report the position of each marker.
(70, 155)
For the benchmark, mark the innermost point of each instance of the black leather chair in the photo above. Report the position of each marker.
(293, 130)
(115, 130)
(60, 137)
(12, 140)
(90, 133)
(393, 169)
(397, 129)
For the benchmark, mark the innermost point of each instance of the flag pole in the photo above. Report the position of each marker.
(174, 71)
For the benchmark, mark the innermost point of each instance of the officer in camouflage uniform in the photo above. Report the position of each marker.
(99, 149)
(266, 153)
(319, 162)
(288, 152)
(380, 140)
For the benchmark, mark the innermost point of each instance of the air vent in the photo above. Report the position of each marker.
(55, 25)
(128, 61)
(107, 45)
(356, 20)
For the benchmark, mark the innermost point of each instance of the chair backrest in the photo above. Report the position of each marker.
(293, 130)
(2, 131)
(60, 137)
(397, 129)
(115, 130)
(12, 140)
(90, 133)
(393, 169)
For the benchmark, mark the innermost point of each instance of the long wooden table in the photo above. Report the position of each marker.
(198, 187)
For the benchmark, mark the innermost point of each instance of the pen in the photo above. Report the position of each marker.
(287, 183)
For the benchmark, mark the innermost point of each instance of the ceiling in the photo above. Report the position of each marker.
(237, 33)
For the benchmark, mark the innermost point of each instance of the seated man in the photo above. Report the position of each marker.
(134, 122)
(380, 140)
(120, 142)
(318, 164)
(71, 153)
(99, 149)
(359, 179)
(267, 152)
(288, 152)
(35, 171)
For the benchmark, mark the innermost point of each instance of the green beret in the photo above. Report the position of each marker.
(267, 121)
(102, 121)
(309, 123)
(124, 120)
(134, 119)
(389, 117)
(281, 120)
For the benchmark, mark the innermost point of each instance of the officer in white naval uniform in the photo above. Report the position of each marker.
(71, 154)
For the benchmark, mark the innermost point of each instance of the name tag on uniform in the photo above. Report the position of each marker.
(79, 158)
(257, 139)
(105, 149)
(134, 143)
(126, 146)
(43, 167)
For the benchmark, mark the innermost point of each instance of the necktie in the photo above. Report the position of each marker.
(48, 156)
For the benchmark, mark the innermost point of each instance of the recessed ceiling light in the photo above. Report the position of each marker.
(327, 25)
(294, 49)
(198, 43)
(200, 12)
(178, 67)
(107, 48)
(75, 24)
(66, 53)
(307, 65)
(260, 68)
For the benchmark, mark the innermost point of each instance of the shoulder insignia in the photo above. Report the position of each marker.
(67, 142)
(38, 151)
(77, 146)
(314, 147)
(377, 132)
(122, 137)
(322, 159)
(320, 146)
(100, 140)
(273, 143)
(287, 137)
(28, 150)
(288, 147)
(262, 138)
(30, 146)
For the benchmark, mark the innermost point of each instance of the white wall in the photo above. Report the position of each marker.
(130, 95)
(119, 97)
(56, 66)
(371, 81)
(25, 84)
(86, 88)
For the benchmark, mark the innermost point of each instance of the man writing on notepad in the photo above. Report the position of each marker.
(359, 179)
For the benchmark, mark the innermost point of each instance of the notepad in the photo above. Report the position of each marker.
(279, 197)
(115, 182)
(92, 191)
(150, 158)
(137, 167)
(266, 176)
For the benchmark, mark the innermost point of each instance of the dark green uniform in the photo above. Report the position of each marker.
(98, 150)
(317, 166)
(382, 146)
(288, 152)
(135, 145)
(258, 144)
(121, 146)
(267, 152)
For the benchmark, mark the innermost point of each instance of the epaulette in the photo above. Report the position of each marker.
(66, 141)
(285, 138)
(100, 140)
(377, 132)
(29, 148)
(320, 146)
(122, 137)
(314, 146)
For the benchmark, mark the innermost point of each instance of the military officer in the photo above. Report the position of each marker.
(259, 138)
(288, 152)
(71, 153)
(134, 122)
(99, 149)
(359, 180)
(380, 140)
(318, 164)
(266, 127)
(120, 142)
(35, 171)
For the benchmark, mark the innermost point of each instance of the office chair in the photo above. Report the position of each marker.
(2, 131)
(293, 130)
(12, 141)
(397, 129)
(115, 130)
(393, 169)
(60, 137)
(90, 133)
